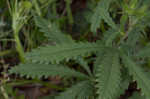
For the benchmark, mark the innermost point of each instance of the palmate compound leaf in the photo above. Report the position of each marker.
(81, 90)
(57, 53)
(35, 70)
(101, 13)
(143, 81)
(108, 75)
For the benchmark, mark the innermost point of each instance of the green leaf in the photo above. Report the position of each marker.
(101, 12)
(136, 95)
(142, 79)
(52, 31)
(82, 90)
(108, 75)
(125, 80)
(110, 36)
(26, 4)
(84, 64)
(144, 52)
(63, 51)
(35, 70)
(98, 60)
(133, 36)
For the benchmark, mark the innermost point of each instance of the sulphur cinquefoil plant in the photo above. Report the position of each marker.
(119, 56)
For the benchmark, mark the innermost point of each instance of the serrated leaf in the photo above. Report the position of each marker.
(143, 81)
(35, 70)
(52, 31)
(101, 12)
(144, 52)
(109, 36)
(108, 76)
(98, 60)
(84, 64)
(63, 51)
(82, 90)
(133, 36)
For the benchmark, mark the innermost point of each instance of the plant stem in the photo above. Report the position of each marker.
(19, 47)
(126, 32)
(4, 92)
(69, 13)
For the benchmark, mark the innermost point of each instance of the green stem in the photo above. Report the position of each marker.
(5, 95)
(69, 12)
(19, 48)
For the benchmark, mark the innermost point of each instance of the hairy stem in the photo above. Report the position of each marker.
(19, 47)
